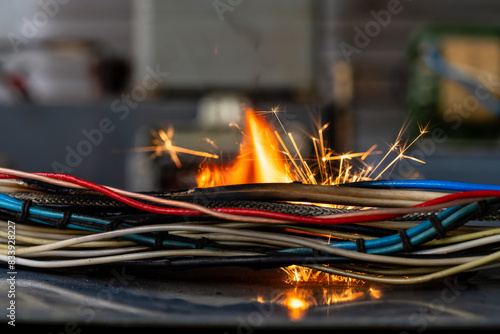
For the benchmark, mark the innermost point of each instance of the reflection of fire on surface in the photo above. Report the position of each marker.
(321, 289)
(299, 300)
(297, 306)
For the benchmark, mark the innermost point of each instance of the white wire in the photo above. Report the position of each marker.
(461, 246)
(89, 253)
(301, 241)
(123, 257)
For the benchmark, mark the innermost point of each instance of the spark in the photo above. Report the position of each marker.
(287, 152)
(275, 111)
(306, 166)
(211, 143)
(164, 143)
(403, 149)
(392, 149)
(235, 125)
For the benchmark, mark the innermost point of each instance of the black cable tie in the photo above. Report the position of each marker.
(159, 237)
(113, 225)
(482, 208)
(438, 226)
(25, 207)
(360, 245)
(61, 224)
(405, 240)
(201, 243)
(316, 253)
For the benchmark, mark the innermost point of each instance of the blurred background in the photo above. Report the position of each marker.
(84, 85)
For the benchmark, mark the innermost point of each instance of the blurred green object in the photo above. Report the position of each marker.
(454, 81)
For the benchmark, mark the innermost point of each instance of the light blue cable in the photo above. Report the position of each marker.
(429, 233)
(418, 235)
(393, 239)
(392, 242)
(13, 204)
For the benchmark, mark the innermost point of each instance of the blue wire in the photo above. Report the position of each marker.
(424, 184)
(393, 243)
(13, 204)
(429, 233)
(392, 239)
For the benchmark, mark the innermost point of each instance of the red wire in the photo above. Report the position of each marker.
(256, 212)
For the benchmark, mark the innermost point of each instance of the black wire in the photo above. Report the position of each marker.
(254, 261)
(374, 231)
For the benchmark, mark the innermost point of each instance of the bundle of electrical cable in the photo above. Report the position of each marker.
(388, 231)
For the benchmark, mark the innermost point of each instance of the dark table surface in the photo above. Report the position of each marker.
(243, 300)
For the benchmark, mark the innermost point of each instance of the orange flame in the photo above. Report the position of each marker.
(259, 160)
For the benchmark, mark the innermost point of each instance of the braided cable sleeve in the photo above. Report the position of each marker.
(89, 202)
